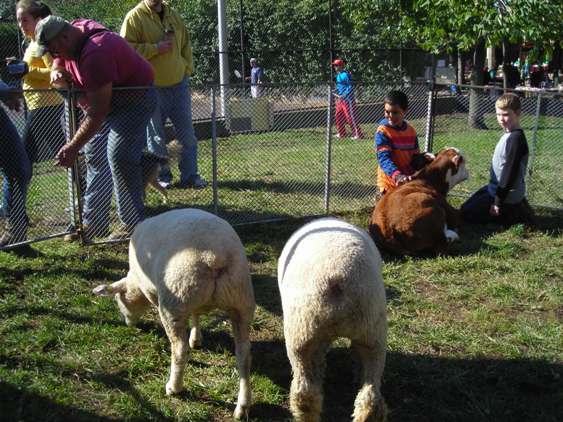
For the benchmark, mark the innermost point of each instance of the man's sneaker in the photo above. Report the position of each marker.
(339, 137)
(89, 233)
(357, 137)
(122, 232)
(165, 185)
(195, 183)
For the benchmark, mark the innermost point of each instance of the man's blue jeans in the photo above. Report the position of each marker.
(16, 168)
(174, 102)
(114, 155)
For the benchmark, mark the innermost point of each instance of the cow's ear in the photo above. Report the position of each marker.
(457, 160)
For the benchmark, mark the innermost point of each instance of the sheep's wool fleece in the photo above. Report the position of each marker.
(181, 248)
(329, 276)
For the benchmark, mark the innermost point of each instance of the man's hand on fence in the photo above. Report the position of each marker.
(67, 155)
(60, 78)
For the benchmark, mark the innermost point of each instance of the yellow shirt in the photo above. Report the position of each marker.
(38, 77)
(144, 29)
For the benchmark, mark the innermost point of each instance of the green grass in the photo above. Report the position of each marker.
(473, 336)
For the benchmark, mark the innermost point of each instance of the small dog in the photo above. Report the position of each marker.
(150, 167)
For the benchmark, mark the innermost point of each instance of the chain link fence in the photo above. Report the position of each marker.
(266, 158)
(36, 200)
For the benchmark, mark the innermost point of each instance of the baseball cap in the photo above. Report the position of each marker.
(45, 30)
(338, 62)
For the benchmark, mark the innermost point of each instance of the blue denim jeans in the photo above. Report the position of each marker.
(114, 155)
(16, 168)
(97, 196)
(174, 102)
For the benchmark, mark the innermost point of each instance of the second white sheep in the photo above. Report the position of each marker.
(331, 286)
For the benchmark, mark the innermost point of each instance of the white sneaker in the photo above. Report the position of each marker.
(356, 137)
(165, 185)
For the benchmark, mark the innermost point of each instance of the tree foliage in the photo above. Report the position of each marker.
(446, 25)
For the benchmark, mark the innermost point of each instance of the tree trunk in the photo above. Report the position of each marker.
(504, 65)
(459, 68)
(556, 62)
(476, 113)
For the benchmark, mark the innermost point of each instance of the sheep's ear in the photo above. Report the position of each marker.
(112, 289)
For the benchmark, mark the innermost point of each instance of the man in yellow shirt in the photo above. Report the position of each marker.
(158, 33)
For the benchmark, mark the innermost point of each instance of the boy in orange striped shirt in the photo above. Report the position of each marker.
(396, 142)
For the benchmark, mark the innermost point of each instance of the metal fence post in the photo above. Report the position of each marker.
(214, 151)
(328, 150)
(75, 185)
(429, 133)
(534, 138)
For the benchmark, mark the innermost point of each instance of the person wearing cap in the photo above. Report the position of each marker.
(97, 61)
(256, 78)
(345, 102)
(158, 33)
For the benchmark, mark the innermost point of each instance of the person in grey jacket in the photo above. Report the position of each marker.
(503, 200)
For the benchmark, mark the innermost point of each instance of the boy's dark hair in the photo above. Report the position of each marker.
(397, 98)
(36, 9)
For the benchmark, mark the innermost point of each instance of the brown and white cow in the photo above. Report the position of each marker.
(416, 218)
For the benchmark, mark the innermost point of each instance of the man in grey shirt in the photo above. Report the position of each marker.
(503, 200)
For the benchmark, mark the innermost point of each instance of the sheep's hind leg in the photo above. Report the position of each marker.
(241, 326)
(306, 393)
(195, 333)
(369, 404)
(175, 328)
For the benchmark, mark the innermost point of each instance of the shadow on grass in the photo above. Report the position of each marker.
(101, 269)
(35, 311)
(428, 388)
(416, 387)
(22, 405)
(267, 294)
(348, 190)
(18, 404)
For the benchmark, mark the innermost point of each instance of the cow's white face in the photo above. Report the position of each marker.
(461, 174)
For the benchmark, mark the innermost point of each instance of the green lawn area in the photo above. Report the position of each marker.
(473, 336)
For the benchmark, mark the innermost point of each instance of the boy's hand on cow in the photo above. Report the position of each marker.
(494, 210)
(401, 179)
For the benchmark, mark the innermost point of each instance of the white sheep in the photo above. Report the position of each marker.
(186, 262)
(329, 277)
